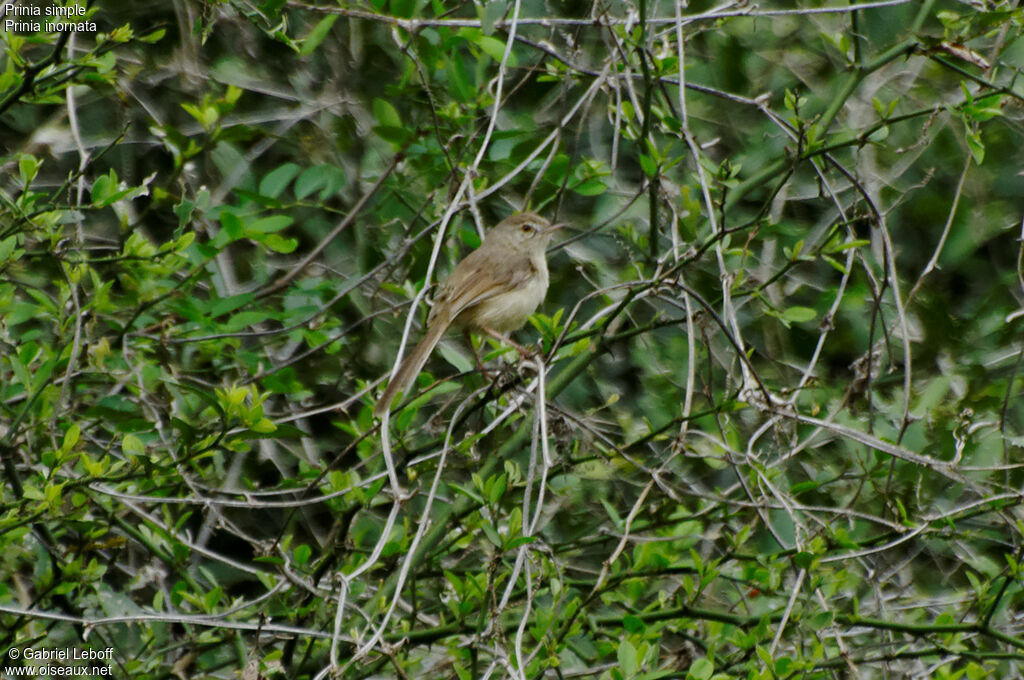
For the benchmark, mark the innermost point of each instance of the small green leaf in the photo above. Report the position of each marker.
(799, 314)
(591, 187)
(518, 541)
(278, 179)
(213, 597)
(628, 659)
(783, 666)
(70, 438)
(53, 494)
(855, 243)
(28, 167)
(497, 489)
(334, 180)
(701, 669)
(153, 37)
(801, 487)
(976, 146)
(132, 445)
(495, 49)
(491, 533)
(7, 249)
(267, 225)
(458, 78)
(633, 624)
(395, 135)
(207, 116)
(386, 114)
(390, 123)
(317, 35)
(103, 188)
(879, 135)
(648, 165)
(263, 426)
(403, 9)
(232, 225)
(280, 244)
(798, 248)
(803, 559)
(312, 179)
(492, 11)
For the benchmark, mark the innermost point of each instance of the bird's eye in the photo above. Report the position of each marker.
(527, 228)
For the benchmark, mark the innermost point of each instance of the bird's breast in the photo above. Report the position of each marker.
(509, 310)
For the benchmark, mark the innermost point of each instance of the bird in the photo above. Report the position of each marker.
(493, 290)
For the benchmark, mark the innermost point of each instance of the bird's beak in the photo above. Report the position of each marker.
(555, 227)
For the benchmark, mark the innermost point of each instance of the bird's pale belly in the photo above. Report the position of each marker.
(506, 312)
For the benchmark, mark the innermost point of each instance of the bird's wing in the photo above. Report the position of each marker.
(477, 279)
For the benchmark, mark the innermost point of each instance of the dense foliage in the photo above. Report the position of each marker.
(773, 426)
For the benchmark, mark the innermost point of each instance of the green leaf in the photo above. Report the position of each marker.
(648, 165)
(839, 266)
(496, 488)
(302, 554)
(628, 659)
(395, 135)
(492, 11)
(279, 244)
(317, 35)
(804, 559)
(385, 113)
(207, 114)
(245, 319)
(403, 9)
(879, 135)
(803, 487)
(591, 187)
(855, 243)
(453, 356)
(278, 179)
(701, 669)
(263, 426)
(219, 306)
(976, 146)
(783, 666)
(799, 314)
(495, 49)
(232, 226)
(491, 534)
(266, 225)
(633, 624)
(154, 37)
(70, 438)
(28, 167)
(7, 251)
(131, 444)
(326, 177)
(213, 597)
(518, 541)
(104, 188)
(390, 123)
(53, 495)
(458, 78)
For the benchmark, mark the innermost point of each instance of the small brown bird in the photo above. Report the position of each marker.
(493, 290)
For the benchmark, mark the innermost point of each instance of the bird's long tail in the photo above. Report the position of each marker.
(411, 366)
